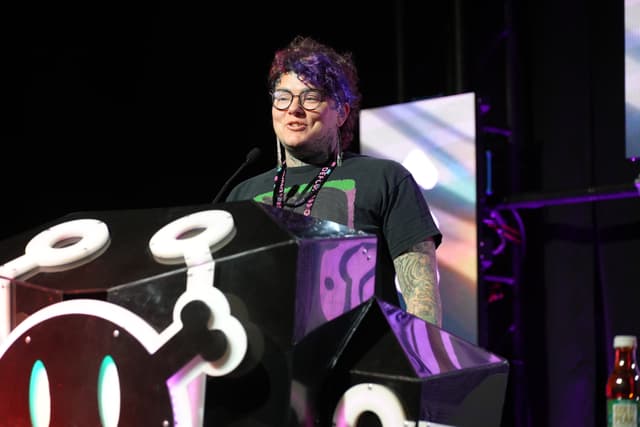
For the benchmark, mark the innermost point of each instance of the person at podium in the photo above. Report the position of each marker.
(315, 104)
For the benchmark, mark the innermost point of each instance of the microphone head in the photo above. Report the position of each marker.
(253, 155)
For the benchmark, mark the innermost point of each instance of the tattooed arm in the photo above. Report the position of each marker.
(418, 279)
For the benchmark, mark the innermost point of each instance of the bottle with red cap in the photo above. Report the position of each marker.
(622, 388)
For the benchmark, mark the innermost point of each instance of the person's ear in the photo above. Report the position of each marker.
(343, 113)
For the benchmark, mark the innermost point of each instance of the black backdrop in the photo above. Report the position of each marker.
(153, 106)
(135, 107)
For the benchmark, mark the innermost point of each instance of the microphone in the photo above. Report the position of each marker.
(252, 156)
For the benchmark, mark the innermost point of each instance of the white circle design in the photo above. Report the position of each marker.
(368, 397)
(235, 334)
(216, 225)
(93, 235)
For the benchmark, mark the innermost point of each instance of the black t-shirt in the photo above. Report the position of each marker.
(365, 193)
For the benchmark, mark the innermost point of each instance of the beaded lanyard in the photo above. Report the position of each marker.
(315, 184)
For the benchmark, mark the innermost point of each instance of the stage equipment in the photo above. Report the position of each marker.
(234, 314)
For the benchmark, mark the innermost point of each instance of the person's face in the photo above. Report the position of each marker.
(307, 131)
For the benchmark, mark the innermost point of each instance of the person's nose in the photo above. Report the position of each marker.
(296, 105)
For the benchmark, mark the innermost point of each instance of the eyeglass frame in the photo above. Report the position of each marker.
(302, 96)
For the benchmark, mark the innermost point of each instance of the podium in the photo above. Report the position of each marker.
(280, 320)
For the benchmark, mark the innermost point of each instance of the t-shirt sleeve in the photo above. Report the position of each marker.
(408, 219)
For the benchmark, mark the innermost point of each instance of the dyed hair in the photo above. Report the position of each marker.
(322, 67)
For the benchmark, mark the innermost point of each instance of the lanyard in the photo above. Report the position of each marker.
(311, 190)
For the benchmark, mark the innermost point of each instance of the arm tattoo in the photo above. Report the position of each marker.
(417, 275)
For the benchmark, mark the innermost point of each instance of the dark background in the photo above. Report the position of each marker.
(137, 107)
(158, 106)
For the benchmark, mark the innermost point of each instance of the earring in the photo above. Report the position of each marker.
(279, 152)
(339, 155)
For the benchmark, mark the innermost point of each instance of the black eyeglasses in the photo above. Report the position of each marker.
(310, 99)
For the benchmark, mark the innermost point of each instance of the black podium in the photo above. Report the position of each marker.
(298, 302)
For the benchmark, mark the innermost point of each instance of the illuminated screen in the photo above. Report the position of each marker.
(435, 140)
(632, 76)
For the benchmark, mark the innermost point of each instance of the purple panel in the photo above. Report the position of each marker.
(431, 350)
(334, 276)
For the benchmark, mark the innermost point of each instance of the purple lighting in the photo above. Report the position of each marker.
(592, 194)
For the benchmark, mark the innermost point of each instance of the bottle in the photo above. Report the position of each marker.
(622, 385)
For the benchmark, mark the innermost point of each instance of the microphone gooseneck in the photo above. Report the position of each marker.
(252, 156)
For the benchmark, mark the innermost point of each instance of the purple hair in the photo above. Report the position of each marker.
(322, 67)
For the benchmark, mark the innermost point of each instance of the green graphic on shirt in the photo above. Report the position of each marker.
(336, 201)
(345, 185)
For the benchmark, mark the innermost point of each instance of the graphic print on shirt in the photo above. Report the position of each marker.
(335, 201)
